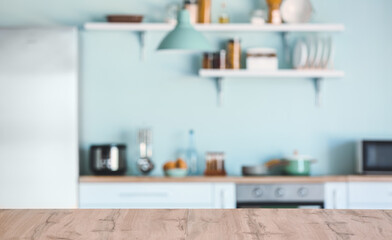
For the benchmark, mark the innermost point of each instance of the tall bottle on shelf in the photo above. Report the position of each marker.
(204, 11)
(191, 155)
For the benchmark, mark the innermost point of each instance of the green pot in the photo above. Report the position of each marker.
(297, 167)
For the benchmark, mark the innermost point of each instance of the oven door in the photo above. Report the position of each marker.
(377, 157)
(301, 205)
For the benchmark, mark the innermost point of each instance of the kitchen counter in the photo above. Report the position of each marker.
(266, 179)
(196, 224)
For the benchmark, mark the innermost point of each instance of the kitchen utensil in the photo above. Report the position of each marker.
(109, 159)
(296, 11)
(296, 165)
(176, 172)
(274, 15)
(125, 18)
(144, 162)
(300, 55)
(258, 170)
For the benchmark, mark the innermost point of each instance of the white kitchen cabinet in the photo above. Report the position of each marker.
(370, 195)
(156, 195)
(224, 196)
(335, 195)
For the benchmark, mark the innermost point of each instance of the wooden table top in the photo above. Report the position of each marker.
(196, 224)
(266, 179)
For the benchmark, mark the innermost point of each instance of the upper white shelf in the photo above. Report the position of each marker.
(282, 73)
(232, 27)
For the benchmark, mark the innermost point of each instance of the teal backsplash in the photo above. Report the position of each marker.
(261, 118)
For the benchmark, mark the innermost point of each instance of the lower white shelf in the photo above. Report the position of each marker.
(316, 75)
(283, 73)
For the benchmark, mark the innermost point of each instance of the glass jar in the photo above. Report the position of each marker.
(234, 54)
(224, 16)
(207, 60)
(215, 164)
(219, 60)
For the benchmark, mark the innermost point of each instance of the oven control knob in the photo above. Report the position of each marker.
(279, 192)
(303, 192)
(257, 192)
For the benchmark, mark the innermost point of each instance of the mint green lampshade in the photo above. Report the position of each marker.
(184, 36)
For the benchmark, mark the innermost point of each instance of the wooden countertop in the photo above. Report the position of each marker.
(196, 224)
(267, 179)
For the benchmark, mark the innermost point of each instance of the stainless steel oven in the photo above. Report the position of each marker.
(374, 157)
(307, 195)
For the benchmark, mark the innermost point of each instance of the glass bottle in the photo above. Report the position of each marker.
(234, 54)
(191, 153)
(204, 11)
(224, 16)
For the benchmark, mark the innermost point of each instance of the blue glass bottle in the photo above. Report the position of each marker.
(191, 155)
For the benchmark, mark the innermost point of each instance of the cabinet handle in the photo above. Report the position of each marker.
(334, 205)
(222, 198)
(136, 194)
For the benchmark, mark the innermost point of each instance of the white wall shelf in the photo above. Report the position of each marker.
(283, 73)
(142, 28)
(232, 27)
(316, 75)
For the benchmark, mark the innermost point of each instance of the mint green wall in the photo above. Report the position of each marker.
(261, 118)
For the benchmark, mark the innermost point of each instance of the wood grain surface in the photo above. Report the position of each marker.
(196, 224)
(266, 179)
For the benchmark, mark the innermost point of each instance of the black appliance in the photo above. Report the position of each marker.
(374, 157)
(109, 159)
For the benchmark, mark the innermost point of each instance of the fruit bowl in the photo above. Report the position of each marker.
(176, 172)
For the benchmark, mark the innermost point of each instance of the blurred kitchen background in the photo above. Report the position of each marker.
(260, 119)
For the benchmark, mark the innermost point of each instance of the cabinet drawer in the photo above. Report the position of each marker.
(365, 192)
(146, 195)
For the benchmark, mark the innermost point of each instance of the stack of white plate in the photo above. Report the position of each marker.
(313, 52)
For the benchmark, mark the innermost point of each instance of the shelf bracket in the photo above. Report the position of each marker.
(219, 88)
(142, 42)
(317, 85)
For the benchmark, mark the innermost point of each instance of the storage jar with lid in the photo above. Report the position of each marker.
(261, 59)
(215, 164)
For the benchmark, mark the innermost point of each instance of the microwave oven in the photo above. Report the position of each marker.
(374, 157)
